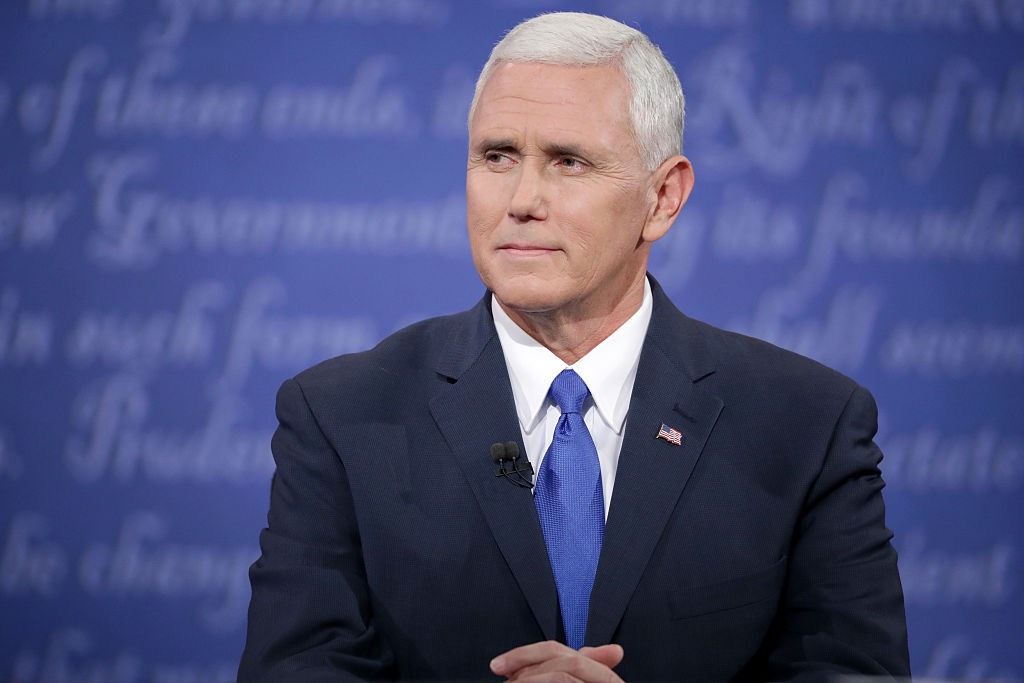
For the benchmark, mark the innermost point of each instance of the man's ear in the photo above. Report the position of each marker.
(672, 183)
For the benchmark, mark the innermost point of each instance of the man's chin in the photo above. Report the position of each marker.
(528, 300)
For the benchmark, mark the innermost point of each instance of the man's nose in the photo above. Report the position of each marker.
(529, 198)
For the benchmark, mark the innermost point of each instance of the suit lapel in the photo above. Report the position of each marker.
(473, 412)
(477, 408)
(652, 473)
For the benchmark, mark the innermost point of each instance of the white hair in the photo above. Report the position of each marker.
(657, 107)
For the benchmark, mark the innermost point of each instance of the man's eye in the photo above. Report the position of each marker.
(497, 158)
(572, 164)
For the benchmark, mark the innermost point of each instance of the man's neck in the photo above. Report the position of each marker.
(572, 332)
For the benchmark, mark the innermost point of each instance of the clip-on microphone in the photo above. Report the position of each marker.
(508, 452)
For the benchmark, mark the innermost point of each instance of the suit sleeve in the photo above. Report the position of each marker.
(842, 608)
(310, 617)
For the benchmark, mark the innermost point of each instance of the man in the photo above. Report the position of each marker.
(706, 506)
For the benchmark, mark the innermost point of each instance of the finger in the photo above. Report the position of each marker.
(572, 666)
(508, 663)
(610, 655)
(555, 677)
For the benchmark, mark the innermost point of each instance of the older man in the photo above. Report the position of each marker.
(705, 506)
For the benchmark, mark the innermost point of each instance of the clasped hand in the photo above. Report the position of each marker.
(553, 662)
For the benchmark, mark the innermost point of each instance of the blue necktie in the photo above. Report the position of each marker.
(570, 505)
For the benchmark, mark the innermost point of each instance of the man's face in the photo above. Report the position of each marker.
(557, 196)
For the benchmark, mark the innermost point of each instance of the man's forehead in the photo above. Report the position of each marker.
(560, 100)
(539, 83)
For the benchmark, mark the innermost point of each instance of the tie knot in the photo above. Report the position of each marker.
(569, 391)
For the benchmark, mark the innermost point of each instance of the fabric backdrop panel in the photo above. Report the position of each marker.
(200, 198)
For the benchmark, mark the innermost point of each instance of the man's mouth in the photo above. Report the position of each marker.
(526, 249)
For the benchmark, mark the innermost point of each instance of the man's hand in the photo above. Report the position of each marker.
(557, 663)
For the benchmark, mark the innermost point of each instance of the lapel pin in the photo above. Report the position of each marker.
(670, 434)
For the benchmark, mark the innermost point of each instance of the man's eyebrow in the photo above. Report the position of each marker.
(567, 149)
(494, 143)
(555, 149)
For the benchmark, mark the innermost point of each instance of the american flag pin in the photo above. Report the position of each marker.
(670, 434)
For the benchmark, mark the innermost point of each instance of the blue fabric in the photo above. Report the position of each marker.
(570, 504)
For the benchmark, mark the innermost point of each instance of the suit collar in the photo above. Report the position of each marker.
(464, 339)
(679, 338)
(608, 370)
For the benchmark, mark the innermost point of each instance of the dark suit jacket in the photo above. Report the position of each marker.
(755, 550)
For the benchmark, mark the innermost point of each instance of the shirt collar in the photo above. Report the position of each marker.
(609, 370)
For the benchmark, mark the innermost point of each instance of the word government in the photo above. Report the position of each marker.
(137, 227)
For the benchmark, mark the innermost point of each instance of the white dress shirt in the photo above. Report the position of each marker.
(609, 371)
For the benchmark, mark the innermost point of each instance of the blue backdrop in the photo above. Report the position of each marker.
(198, 198)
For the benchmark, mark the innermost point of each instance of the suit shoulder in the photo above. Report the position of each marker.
(400, 357)
(758, 364)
